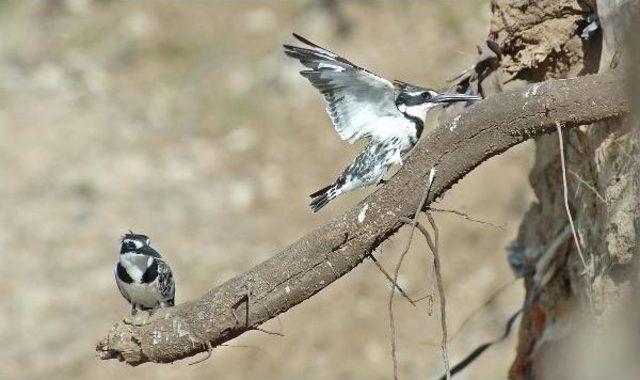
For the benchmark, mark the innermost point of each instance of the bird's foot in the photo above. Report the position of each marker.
(382, 182)
(140, 318)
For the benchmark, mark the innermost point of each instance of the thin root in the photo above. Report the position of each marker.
(267, 331)
(392, 325)
(437, 269)
(392, 281)
(469, 218)
(207, 356)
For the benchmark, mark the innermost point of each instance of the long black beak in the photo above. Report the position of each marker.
(455, 97)
(148, 251)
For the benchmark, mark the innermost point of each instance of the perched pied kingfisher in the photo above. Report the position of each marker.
(143, 277)
(364, 105)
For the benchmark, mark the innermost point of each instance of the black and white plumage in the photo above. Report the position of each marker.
(143, 277)
(363, 105)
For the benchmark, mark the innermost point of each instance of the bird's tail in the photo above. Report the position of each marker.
(323, 196)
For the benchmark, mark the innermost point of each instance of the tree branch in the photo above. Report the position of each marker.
(332, 250)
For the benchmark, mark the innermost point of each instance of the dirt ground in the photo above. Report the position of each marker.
(186, 122)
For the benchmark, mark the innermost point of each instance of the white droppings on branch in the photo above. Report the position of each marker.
(156, 337)
(532, 91)
(363, 213)
(432, 175)
(454, 123)
(177, 326)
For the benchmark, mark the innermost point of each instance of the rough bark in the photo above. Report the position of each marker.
(329, 252)
(541, 40)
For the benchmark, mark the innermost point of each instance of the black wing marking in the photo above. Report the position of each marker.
(151, 273)
(165, 282)
(120, 279)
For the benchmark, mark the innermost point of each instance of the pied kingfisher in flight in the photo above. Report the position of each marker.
(364, 105)
(142, 276)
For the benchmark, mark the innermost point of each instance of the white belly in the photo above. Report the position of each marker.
(393, 126)
(147, 295)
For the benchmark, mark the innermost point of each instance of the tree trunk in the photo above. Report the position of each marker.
(568, 297)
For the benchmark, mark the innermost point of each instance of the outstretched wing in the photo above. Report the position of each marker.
(359, 102)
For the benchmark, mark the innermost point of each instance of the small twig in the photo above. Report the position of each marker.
(210, 350)
(246, 298)
(542, 274)
(243, 299)
(486, 303)
(544, 267)
(277, 318)
(437, 269)
(566, 198)
(589, 186)
(475, 311)
(242, 346)
(467, 217)
(392, 328)
(483, 347)
(267, 331)
(207, 356)
(422, 298)
(587, 269)
(443, 300)
(280, 327)
(392, 325)
(391, 280)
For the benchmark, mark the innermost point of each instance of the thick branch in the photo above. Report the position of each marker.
(332, 250)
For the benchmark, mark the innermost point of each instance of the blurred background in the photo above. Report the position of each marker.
(186, 122)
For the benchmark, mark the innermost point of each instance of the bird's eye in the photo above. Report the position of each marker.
(128, 245)
(426, 95)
